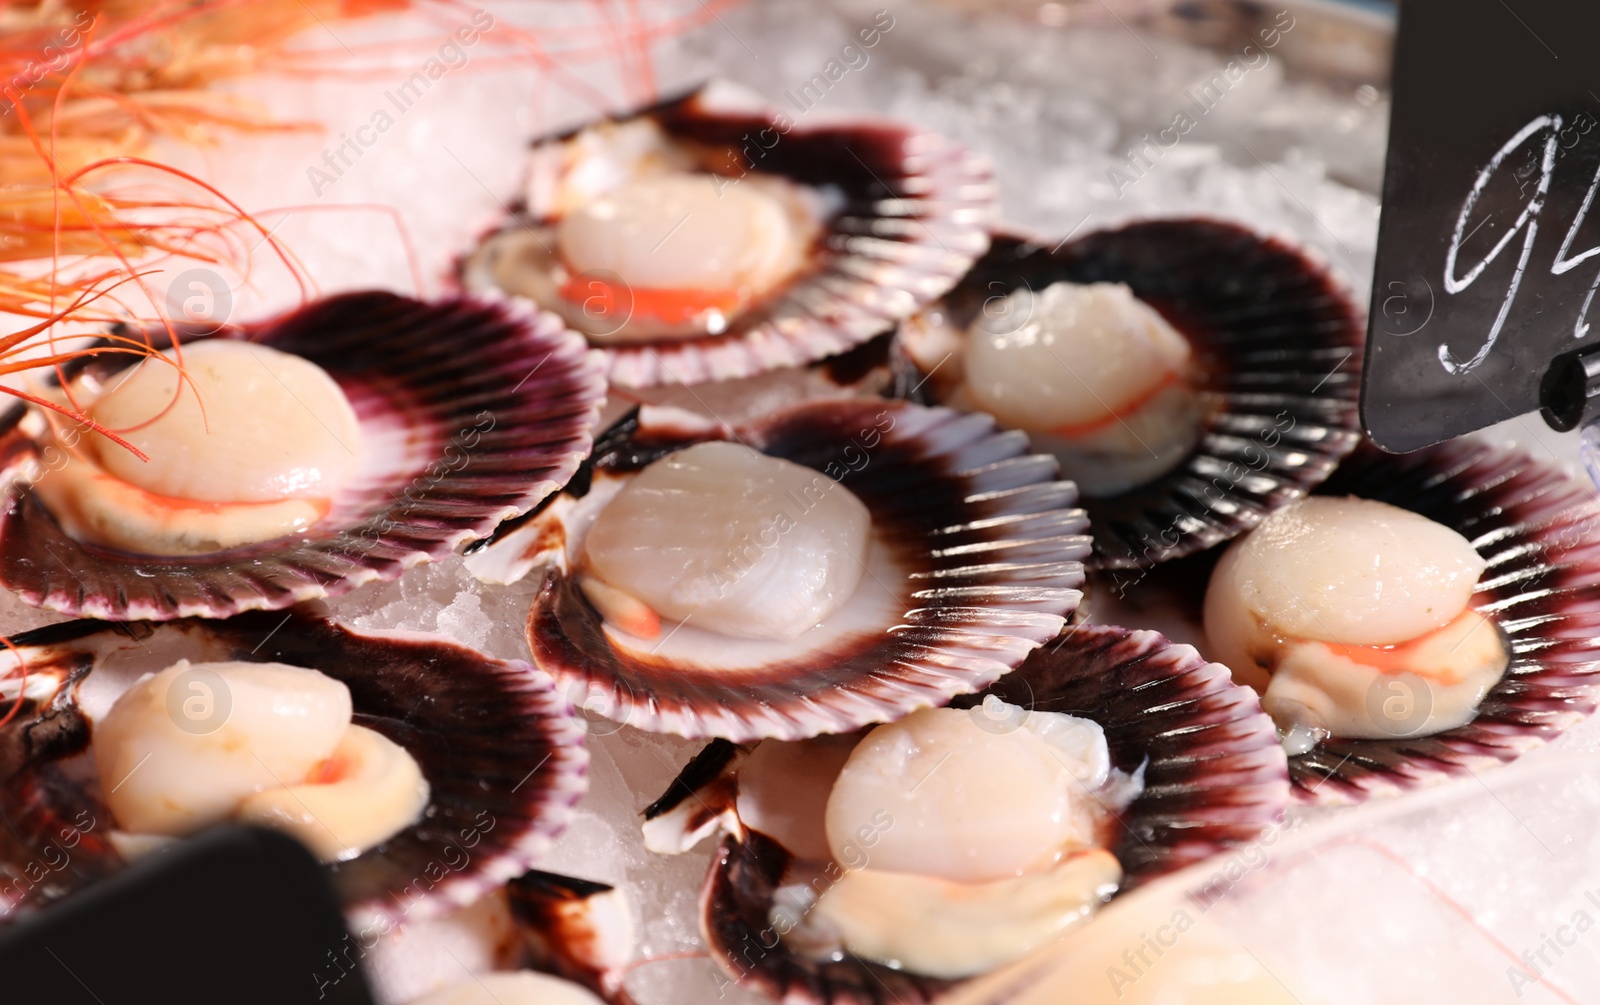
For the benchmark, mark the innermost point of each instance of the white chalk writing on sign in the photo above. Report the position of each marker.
(1542, 164)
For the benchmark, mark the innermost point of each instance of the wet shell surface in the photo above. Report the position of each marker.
(1214, 776)
(1539, 532)
(500, 749)
(469, 412)
(974, 561)
(1277, 350)
(576, 929)
(905, 214)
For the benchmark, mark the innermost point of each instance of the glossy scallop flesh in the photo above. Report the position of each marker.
(471, 411)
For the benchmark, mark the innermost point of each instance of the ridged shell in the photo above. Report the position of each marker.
(1214, 777)
(1539, 531)
(500, 748)
(1279, 342)
(914, 218)
(987, 542)
(471, 412)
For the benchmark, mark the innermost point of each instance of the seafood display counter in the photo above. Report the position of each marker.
(822, 503)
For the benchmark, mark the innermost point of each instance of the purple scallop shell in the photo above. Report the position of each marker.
(914, 218)
(501, 750)
(1214, 777)
(471, 412)
(1539, 531)
(987, 542)
(1279, 342)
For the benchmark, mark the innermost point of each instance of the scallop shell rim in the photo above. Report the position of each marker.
(1012, 503)
(154, 588)
(1539, 529)
(853, 305)
(562, 774)
(1325, 428)
(1139, 666)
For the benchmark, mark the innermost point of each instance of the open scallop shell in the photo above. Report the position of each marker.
(1539, 531)
(471, 412)
(912, 217)
(975, 562)
(1214, 777)
(1279, 344)
(501, 750)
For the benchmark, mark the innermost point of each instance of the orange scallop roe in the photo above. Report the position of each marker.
(1406, 657)
(609, 300)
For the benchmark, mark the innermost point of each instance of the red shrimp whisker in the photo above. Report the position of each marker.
(687, 954)
(177, 395)
(536, 51)
(624, 394)
(56, 359)
(413, 262)
(266, 234)
(1459, 909)
(22, 688)
(641, 43)
(77, 417)
(26, 122)
(85, 297)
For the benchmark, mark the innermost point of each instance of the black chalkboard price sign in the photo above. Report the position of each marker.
(1484, 295)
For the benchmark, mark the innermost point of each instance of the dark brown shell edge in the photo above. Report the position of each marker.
(915, 217)
(502, 752)
(992, 537)
(1279, 341)
(1214, 777)
(1539, 531)
(564, 931)
(509, 396)
(735, 906)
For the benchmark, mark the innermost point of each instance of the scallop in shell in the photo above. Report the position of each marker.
(877, 557)
(452, 416)
(1537, 533)
(499, 751)
(1209, 775)
(1191, 375)
(709, 238)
